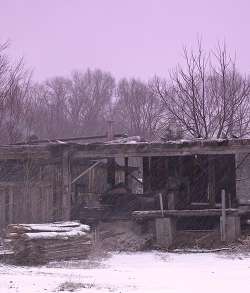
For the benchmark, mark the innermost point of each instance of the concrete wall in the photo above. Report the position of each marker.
(243, 178)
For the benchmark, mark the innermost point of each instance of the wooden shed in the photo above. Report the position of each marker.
(38, 182)
(41, 183)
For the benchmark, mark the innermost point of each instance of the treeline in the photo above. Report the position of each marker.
(204, 97)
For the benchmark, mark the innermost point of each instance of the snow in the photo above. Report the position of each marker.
(142, 272)
(54, 235)
(56, 226)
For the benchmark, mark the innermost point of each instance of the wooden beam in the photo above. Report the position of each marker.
(136, 179)
(111, 165)
(223, 215)
(211, 181)
(35, 183)
(86, 171)
(110, 134)
(142, 149)
(180, 213)
(126, 170)
(146, 174)
(67, 139)
(66, 182)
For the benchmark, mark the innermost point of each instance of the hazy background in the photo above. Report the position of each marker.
(126, 37)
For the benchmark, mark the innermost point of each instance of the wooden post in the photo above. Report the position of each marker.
(11, 206)
(211, 181)
(66, 178)
(126, 171)
(229, 200)
(223, 215)
(171, 200)
(111, 166)
(161, 204)
(110, 161)
(150, 173)
(146, 175)
(110, 134)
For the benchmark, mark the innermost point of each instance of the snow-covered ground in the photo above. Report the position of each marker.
(134, 272)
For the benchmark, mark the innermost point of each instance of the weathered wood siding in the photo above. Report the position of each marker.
(243, 178)
(94, 181)
(31, 199)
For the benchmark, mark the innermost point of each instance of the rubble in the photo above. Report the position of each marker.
(122, 236)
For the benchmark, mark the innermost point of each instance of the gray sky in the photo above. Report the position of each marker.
(126, 37)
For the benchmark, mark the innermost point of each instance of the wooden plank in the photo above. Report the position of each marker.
(180, 213)
(126, 164)
(171, 200)
(211, 181)
(111, 166)
(110, 134)
(2, 209)
(179, 148)
(86, 171)
(66, 182)
(12, 153)
(146, 174)
(161, 204)
(11, 209)
(223, 216)
(142, 149)
(136, 179)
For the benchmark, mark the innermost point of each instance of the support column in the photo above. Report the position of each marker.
(110, 134)
(165, 231)
(111, 166)
(147, 174)
(126, 171)
(66, 182)
(232, 228)
(171, 200)
(211, 181)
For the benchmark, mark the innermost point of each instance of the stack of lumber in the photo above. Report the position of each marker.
(40, 243)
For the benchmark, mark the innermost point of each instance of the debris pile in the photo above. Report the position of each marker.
(122, 237)
(40, 243)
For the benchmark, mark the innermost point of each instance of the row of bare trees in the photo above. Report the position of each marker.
(203, 97)
(68, 107)
(14, 86)
(207, 96)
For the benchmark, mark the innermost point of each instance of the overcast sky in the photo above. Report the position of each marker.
(126, 37)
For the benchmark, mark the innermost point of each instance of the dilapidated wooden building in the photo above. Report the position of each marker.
(42, 182)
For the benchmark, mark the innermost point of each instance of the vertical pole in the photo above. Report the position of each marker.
(223, 215)
(150, 173)
(171, 200)
(126, 170)
(161, 204)
(11, 210)
(146, 175)
(211, 181)
(110, 134)
(110, 161)
(229, 200)
(111, 171)
(66, 197)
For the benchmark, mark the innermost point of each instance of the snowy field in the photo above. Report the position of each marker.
(133, 272)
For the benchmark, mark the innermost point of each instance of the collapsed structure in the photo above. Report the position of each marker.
(146, 181)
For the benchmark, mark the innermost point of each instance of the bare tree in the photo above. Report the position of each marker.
(14, 84)
(137, 109)
(49, 108)
(66, 107)
(207, 97)
(90, 101)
